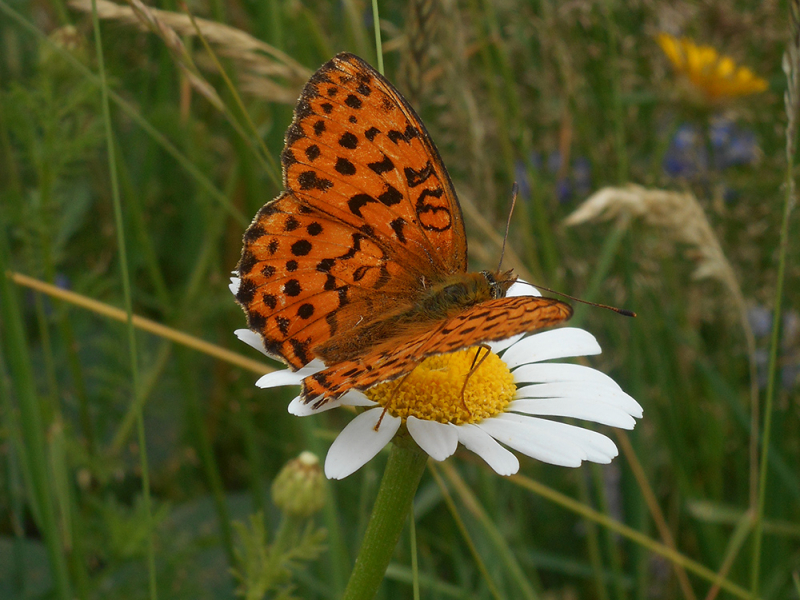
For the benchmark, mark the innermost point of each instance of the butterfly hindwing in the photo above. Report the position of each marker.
(306, 277)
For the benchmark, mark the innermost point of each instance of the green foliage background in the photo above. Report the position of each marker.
(503, 87)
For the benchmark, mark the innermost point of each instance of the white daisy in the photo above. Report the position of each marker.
(502, 404)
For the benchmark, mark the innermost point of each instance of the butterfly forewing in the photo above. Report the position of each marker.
(489, 321)
(358, 152)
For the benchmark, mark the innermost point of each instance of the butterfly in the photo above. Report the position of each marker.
(362, 261)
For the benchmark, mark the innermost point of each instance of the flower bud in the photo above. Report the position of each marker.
(297, 490)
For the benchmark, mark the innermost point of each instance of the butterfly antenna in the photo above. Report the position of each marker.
(514, 192)
(621, 311)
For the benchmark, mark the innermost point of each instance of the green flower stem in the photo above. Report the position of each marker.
(400, 480)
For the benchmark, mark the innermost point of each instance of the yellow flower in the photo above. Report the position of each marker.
(715, 75)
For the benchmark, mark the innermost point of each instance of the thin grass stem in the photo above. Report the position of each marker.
(32, 426)
(128, 296)
(792, 102)
(656, 547)
(465, 535)
(376, 18)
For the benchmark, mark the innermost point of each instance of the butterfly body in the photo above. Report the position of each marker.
(362, 261)
(435, 302)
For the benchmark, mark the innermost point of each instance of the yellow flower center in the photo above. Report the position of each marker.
(435, 390)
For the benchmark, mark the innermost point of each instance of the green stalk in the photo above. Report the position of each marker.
(378, 45)
(35, 463)
(400, 480)
(126, 286)
(412, 531)
(774, 343)
(338, 556)
(619, 119)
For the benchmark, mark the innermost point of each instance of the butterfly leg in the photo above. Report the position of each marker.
(476, 363)
(394, 391)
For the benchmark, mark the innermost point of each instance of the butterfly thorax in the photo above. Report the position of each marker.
(437, 301)
(459, 291)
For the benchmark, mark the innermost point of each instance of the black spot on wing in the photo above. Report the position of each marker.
(348, 140)
(305, 311)
(361, 272)
(288, 158)
(391, 196)
(269, 300)
(246, 263)
(359, 201)
(353, 101)
(294, 133)
(300, 350)
(382, 166)
(256, 321)
(397, 226)
(301, 248)
(283, 324)
(417, 177)
(309, 180)
(247, 290)
(409, 134)
(253, 233)
(344, 166)
(313, 152)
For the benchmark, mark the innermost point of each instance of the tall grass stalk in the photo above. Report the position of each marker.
(376, 19)
(488, 577)
(126, 286)
(33, 449)
(791, 67)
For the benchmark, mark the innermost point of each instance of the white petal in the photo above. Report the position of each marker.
(582, 391)
(438, 440)
(522, 288)
(288, 377)
(234, 285)
(356, 398)
(588, 410)
(533, 439)
(280, 378)
(501, 345)
(299, 408)
(359, 442)
(251, 338)
(481, 443)
(546, 372)
(595, 446)
(558, 343)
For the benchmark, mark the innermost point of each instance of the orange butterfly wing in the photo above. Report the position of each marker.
(369, 221)
(486, 322)
(369, 208)
(358, 152)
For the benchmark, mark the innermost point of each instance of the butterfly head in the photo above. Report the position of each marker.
(499, 282)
